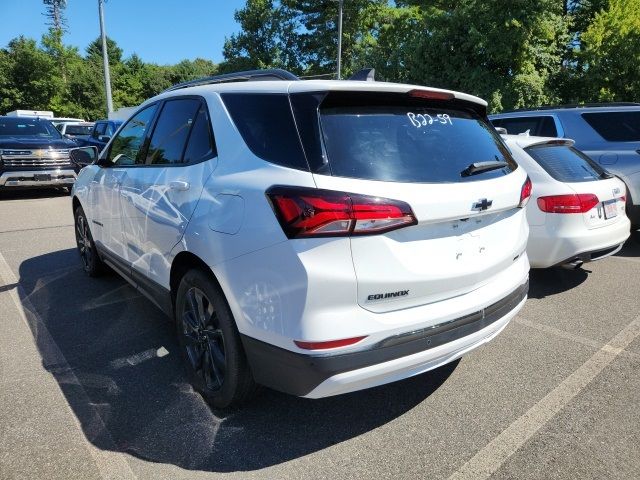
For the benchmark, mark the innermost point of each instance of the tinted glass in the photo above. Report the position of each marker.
(200, 145)
(615, 126)
(410, 143)
(27, 127)
(566, 164)
(543, 126)
(172, 129)
(127, 145)
(78, 129)
(266, 124)
(99, 130)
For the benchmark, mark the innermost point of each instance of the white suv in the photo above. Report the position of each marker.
(317, 237)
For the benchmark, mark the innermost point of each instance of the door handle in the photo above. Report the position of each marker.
(179, 185)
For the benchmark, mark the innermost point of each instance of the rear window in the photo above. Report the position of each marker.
(615, 126)
(542, 126)
(410, 143)
(78, 129)
(566, 164)
(266, 124)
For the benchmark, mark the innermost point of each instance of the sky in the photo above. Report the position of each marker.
(159, 31)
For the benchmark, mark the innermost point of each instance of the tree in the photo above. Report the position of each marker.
(267, 38)
(506, 51)
(27, 81)
(611, 53)
(94, 51)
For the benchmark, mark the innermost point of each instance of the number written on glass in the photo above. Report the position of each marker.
(420, 120)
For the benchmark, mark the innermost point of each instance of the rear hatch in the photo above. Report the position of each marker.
(601, 196)
(440, 157)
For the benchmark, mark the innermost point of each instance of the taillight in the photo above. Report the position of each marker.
(330, 344)
(525, 192)
(575, 203)
(310, 212)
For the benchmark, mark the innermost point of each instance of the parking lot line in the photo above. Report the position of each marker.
(491, 457)
(569, 336)
(110, 465)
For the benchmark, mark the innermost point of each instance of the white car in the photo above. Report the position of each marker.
(75, 129)
(577, 212)
(317, 237)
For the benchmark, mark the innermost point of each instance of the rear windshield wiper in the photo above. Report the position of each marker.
(479, 167)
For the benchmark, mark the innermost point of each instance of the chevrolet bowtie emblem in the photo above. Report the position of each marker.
(482, 204)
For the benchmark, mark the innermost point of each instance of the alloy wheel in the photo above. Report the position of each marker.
(203, 339)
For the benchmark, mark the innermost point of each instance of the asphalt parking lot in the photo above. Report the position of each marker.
(91, 385)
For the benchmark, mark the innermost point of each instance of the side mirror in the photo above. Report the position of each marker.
(83, 156)
(104, 138)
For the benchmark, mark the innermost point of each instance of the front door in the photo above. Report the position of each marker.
(159, 198)
(125, 154)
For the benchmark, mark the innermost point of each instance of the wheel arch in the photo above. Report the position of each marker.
(181, 264)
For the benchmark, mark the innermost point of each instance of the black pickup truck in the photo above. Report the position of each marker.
(33, 154)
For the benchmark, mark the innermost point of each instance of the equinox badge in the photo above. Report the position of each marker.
(380, 296)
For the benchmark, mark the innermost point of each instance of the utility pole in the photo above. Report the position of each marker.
(340, 2)
(105, 59)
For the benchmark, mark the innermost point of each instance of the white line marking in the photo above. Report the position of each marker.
(110, 463)
(570, 336)
(137, 358)
(490, 458)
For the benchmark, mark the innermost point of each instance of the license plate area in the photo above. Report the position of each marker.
(610, 209)
(42, 177)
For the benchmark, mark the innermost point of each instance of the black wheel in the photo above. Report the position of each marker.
(210, 343)
(91, 263)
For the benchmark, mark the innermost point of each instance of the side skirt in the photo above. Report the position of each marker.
(159, 295)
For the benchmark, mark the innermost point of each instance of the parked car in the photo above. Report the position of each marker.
(33, 154)
(102, 132)
(577, 212)
(608, 133)
(77, 131)
(59, 121)
(317, 237)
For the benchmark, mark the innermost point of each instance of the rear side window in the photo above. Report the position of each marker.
(266, 124)
(406, 143)
(615, 126)
(566, 164)
(171, 131)
(200, 145)
(542, 126)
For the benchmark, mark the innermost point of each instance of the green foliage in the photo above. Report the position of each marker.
(611, 53)
(513, 53)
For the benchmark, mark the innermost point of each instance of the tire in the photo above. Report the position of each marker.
(210, 344)
(91, 263)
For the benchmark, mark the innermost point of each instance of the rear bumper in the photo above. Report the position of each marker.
(549, 248)
(29, 178)
(394, 358)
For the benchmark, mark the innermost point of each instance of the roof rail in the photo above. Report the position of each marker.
(246, 76)
(575, 105)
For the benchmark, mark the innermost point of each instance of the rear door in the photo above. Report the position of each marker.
(421, 152)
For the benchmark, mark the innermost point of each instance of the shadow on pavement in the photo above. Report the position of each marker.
(31, 193)
(545, 282)
(632, 247)
(106, 346)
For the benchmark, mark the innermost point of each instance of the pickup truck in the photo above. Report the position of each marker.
(102, 132)
(34, 154)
